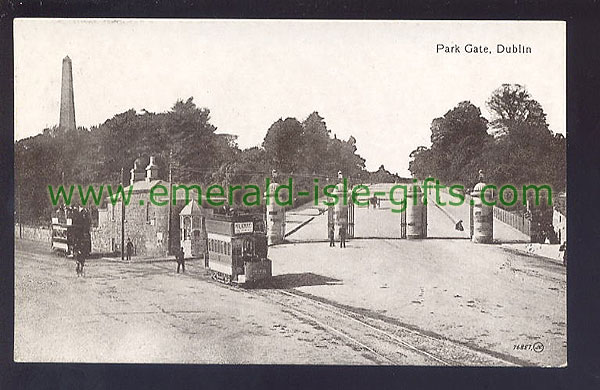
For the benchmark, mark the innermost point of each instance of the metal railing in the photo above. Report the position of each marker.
(517, 221)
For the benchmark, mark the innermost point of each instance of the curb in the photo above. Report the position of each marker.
(527, 253)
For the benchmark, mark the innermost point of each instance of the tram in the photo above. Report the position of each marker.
(237, 248)
(71, 231)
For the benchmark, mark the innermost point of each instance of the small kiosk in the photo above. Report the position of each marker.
(193, 231)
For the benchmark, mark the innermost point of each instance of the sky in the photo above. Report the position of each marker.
(380, 81)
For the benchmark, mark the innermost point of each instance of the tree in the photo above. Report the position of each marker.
(457, 141)
(525, 151)
(315, 143)
(184, 137)
(283, 145)
(512, 106)
(193, 141)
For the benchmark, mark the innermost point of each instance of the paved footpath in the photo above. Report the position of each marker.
(482, 295)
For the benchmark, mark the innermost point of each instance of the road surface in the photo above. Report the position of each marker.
(440, 301)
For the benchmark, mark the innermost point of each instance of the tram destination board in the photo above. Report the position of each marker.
(243, 227)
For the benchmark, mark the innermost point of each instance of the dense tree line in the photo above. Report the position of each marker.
(515, 147)
(184, 138)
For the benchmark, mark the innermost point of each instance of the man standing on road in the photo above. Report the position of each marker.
(80, 262)
(129, 248)
(331, 236)
(342, 233)
(180, 257)
(563, 249)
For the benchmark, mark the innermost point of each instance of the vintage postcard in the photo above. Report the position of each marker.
(316, 192)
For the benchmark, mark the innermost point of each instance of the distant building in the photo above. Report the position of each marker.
(146, 224)
(559, 217)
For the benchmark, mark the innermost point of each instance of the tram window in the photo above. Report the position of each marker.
(236, 248)
(248, 247)
(196, 222)
(187, 226)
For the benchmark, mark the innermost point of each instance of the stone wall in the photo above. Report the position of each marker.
(146, 225)
(35, 233)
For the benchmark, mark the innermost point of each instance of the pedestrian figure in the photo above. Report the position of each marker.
(342, 233)
(331, 236)
(563, 249)
(378, 202)
(459, 226)
(79, 262)
(373, 201)
(129, 249)
(180, 257)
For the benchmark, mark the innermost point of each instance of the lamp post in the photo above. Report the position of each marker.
(170, 211)
(123, 215)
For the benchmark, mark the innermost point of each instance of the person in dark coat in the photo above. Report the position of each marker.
(563, 249)
(342, 233)
(180, 257)
(80, 262)
(459, 226)
(331, 236)
(129, 249)
(373, 202)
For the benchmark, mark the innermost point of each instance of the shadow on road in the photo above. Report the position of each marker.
(500, 241)
(300, 280)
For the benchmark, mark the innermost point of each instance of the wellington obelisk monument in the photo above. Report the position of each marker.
(67, 105)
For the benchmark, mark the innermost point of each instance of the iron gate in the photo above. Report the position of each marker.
(471, 219)
(403, 224)
(351, 220)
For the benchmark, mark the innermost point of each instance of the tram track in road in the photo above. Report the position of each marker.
(382, 340)
(397, 344)
(390, 337)
(354, 334)
(383, 348)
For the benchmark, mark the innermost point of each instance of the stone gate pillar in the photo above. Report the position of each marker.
(275, 215)
(482, 215)
(416, 213)
(341, 208)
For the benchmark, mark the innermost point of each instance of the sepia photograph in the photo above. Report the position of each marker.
(290, 192)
